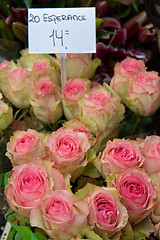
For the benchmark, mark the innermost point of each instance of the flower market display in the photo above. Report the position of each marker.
(72, 175)
(80, 160)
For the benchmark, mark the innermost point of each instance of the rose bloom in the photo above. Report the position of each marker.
(123, 72)
(81, 65)
(121, 154)
(72, 95)
(5, 68)
(77, 126)
(144, 96)
(26, 145)
(68, 150)
(105, 210)
(46, 100)
(101, 110)
(140, 90)
(46, 66)
(27, 184)
(19, 85)
(6, 115)
(40, 65)
(151, 150)
(137, 192)
(27, 60)
(60, 215)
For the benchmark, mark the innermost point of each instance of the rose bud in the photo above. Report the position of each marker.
(45, 100)
(81, 65)
(72, 96)
(19, 85)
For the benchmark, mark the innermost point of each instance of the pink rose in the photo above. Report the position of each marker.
(146, 82)
(47, 66)
(139, 88)
(61, 215)
(151, 150)
(28, 183)
(81, 65)
(72, 95)
(26, 145)
(46, 100)
(74, 89)
(77, 126)
(103, 108)
(129, 67)
(101, 112)
(137, 192)
(145, 92)
(123, 72)
(5, 68)
(68, 149)
(121, 154)
(40, 65)
(105, 211)
(27, 60)
(6, 115)
(19, 85)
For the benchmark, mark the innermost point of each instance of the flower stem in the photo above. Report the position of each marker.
(138, 119)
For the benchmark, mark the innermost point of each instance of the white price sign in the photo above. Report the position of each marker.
(62, 30)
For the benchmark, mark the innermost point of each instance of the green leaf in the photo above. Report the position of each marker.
(24, 111)
(124, 13)
(99, 22)
(20, 113)
(10, 215)
(134, 3)
(143, 229)
(91, 171)
(82, 193)
(12, 234)
(91, 155)
(39, 236)
(109, 89)
(28, 3)
(127, 232)
(6, 176)
(99, 35)
(25, 232)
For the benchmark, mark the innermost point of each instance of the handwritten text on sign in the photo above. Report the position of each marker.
(62, 30)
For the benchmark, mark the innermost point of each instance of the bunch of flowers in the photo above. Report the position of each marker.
(78, 179)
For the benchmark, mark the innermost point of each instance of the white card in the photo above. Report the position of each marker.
(62, 30)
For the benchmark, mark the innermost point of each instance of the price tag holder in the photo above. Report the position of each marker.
(62, 30)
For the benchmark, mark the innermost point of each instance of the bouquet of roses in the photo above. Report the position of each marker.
(72, 176)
